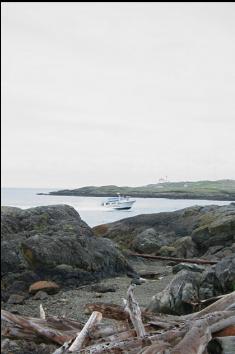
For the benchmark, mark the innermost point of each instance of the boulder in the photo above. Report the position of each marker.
(184, 247)
(47, 286)
(167, 251)
(40, 295)
(150, 241)
(16, 299)
(11, 238)
(188, 287)
(209, 285)
(188, 266)
(101, 288)
(225, 273)
(218, 279)
(54, 243)
(178, 296)
(216, 228)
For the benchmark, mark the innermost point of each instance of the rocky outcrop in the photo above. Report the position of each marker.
(188, 266)
(216, 228)
(183, 247)
(189, 287)
(53, 243)
(189, 232)
(149, 241)
(218, 279)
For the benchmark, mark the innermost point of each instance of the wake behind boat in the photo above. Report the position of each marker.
(119, 202)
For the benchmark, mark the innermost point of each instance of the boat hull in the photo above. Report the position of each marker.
(119, 205)
(122, 208)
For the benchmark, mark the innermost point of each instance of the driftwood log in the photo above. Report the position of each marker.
(79, 340)
(196, 339)
(174, 259)
(133, 309)
(222, 304)
(132, 330)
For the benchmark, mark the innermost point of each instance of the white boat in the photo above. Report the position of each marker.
(119, 202)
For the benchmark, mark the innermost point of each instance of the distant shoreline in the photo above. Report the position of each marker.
(222, 190)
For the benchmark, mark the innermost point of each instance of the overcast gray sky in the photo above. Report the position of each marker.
(117, 93)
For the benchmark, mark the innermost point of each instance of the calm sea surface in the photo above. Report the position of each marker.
(90, 208)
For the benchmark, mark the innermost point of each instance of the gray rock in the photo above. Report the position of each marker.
(100, 288)
(167, 251)
(138, 281)
(225, 273)
(41, 295)
(16, 299)
(218, 279)
(150, 241)
(177, 297)
(213, 250)
(207, 226)
(188, 266)
(17, 286)
(189, 287)
(184, 247)
(209, 285)
(26, 347)
(53, 243)
(180, 222)
(220, 254)
(217, 228)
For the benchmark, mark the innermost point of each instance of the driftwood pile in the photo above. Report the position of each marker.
(211, 330)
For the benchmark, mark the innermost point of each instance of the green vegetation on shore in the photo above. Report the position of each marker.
(211, 190)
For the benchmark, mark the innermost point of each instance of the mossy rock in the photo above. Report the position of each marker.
(167, 251)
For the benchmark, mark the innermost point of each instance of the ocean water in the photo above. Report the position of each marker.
(90, 208)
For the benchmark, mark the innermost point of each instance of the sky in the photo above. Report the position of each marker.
(117, 93)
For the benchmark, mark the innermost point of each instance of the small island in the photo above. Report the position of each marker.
(205, 190)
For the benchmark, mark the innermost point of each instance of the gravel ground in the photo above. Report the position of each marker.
(70, 303)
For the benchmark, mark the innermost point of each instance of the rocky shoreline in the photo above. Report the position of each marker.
(51, 245)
